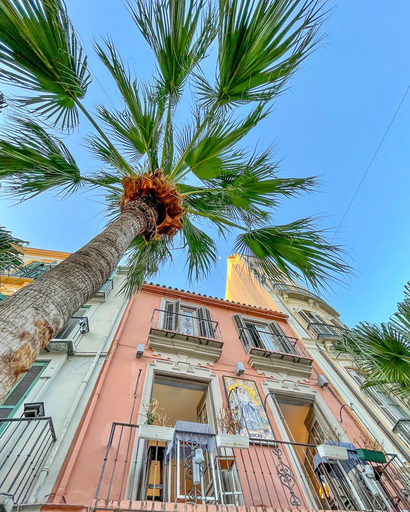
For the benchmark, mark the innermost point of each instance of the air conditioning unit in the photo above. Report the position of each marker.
(34, 410)
(328, 451)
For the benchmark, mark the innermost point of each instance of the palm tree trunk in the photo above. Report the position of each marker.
(32, 316)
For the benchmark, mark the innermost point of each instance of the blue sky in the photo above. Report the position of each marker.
(329, 123)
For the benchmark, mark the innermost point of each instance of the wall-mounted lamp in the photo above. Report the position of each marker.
(140, 350)
(239, 368)
(322, 381)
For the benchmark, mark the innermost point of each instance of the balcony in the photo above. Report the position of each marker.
(273, 352)
(298, 292)
(326, 331)
(185, 334)
(24, 446)
(70, 335)
(190, 468)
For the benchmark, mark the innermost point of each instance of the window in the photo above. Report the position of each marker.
(320, 326)
(20, 391)
(390, 407)
(268, 336)
(188, 319)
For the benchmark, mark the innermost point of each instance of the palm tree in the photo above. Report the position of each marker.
(382, 352)
(161, 180)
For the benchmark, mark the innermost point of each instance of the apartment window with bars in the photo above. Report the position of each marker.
(389, 407)
(187, 319)
(268, 336)
(20, 391)
(320, 326)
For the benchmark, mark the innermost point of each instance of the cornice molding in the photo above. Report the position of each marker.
(213, 301)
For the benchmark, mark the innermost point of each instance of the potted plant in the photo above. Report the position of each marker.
(372, 450)
(328, 444)
(158, 426)
(230, 430)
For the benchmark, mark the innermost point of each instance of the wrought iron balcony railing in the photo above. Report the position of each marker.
(186, 325)
(70, 335)
(24, 446)
(326, 331)
(284, 287)
(270, 342)
(192, 468)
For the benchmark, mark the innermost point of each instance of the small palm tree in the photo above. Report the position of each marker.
(160, 179)
(382, 352)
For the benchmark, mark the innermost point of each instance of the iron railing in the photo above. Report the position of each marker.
(330, 331)
(185, 325)
(275, 474)
(70, 335)
(281, 344)
(284, 287)
(24, 446)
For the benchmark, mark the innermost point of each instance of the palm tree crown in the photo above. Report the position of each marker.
(189, 173)
(382, 352)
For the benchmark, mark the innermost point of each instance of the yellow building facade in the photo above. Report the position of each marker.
(36, 262)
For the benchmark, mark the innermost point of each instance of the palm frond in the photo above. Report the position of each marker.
(144, 261)
(107, 154)
(179, 33)
(401, 319)
(212, 152)
(260, 45)
(201, 250)
(253, 181)
(10, 251)
(32, 161)
(296, 250)
(138, 125)
(40, 51)
(381, 353)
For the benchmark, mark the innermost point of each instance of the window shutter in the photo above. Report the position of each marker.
(281, 340)
(276, 329)
(206, 328)
(304, 317)
(177, 319)
(170, 316)
(244, 334)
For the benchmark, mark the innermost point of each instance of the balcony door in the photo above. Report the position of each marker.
(170, 477)
(268, 336)
(187, 319)
(182, 399)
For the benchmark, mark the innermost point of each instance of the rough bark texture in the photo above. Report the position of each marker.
(32, 316)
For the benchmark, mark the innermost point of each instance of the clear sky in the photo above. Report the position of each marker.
(329, 123)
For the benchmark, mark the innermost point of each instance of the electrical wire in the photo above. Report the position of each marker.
(371, 162)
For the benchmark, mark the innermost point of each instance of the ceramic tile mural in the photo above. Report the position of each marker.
(245, 402)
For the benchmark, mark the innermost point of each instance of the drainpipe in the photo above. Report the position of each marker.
(386, 432)
(56, 446)
(86, 421)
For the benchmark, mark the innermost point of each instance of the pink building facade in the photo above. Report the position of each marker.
(205, 403)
